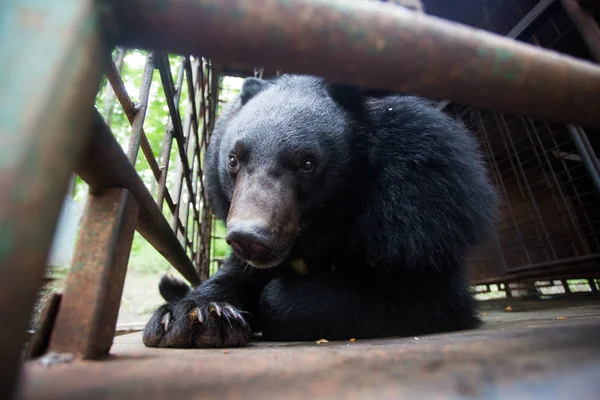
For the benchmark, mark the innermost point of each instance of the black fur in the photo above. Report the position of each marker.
(172, 289)
(386, 220)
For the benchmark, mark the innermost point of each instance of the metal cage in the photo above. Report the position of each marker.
(547, 171)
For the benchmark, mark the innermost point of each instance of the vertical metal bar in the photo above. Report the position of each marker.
(550, 187)
(558, 185)
(87, 317)
(190, 126)
(496, 239)
(172, 103)
(502, 186)
(140, 111)
(129, 108)
(570, 177)
(173, 95)
(203, 86)
(45, 109)
(527, 185)
(565, 285)
(585, 156)
(588, 146)
(109, 95)
(41, 338)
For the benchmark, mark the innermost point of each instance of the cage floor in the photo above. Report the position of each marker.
(542, 348)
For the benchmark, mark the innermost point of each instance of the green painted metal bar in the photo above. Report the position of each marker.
(374, 44)
(51, 59)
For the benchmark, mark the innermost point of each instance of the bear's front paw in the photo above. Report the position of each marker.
(193, 323)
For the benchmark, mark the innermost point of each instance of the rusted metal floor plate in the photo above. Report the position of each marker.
(546, 350)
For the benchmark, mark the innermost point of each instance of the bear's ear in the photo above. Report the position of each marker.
(353, 98)
(251, 87)
(348, 96)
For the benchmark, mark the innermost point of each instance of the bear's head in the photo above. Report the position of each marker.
(282, 158)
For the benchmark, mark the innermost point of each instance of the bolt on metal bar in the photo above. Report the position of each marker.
(44, 106)
(104, 165)
(375, 45)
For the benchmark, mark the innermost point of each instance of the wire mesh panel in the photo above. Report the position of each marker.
(546, 173)
(161, 195)
(177, 181)
(549, 216)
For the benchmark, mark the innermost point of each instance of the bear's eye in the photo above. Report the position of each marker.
(232, 162)
(307, 165)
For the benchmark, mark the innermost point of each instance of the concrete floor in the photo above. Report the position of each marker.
(536, 349)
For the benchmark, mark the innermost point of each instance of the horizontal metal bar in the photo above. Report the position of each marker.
(52, 61)
(555, 263)
(526, 26)
(373, 44)
(104, 165)
(559, 272)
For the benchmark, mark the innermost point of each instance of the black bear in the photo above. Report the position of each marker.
(350, 214)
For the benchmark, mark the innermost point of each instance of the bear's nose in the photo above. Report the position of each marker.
(250, 239)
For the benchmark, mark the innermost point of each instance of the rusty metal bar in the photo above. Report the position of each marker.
(86, 322)
(52, 62)
(526, 26)
(104, 165)
(372, 44)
